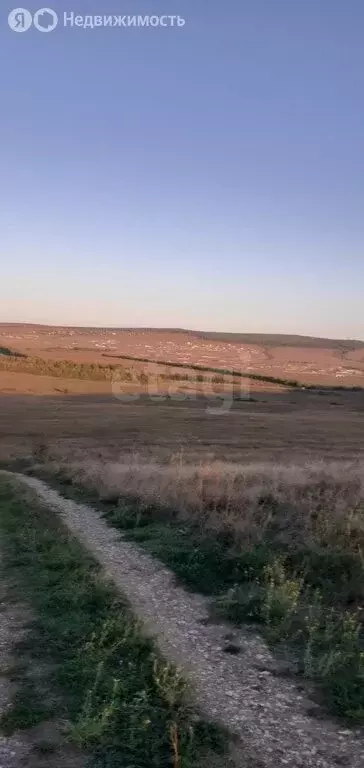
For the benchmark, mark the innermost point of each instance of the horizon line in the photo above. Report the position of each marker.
(176, 329)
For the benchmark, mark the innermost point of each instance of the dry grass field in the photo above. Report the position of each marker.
(250, 491)
(277, 427)
(205, 418)
(313, 361)
(259, 506)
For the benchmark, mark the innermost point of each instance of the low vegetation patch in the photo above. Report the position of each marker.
(9, 353)
(123, 703)
(68, 369)
(204, 368)
(279, 547)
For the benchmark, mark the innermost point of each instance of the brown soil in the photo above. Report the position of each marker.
(277, 427)
(330, 364)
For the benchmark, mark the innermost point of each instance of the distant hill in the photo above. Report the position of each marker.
(264, 356)
(272, 339)
(285, 340)
(259, 339)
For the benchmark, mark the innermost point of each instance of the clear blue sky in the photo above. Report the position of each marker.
(207, 177)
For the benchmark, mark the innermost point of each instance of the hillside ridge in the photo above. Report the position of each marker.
(260, 339)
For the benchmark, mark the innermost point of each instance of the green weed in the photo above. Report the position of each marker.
(281, 600)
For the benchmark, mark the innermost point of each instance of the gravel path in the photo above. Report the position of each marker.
(269, 713)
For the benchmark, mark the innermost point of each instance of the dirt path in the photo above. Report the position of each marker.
(269, 713)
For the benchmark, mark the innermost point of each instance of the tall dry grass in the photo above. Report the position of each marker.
(315, 504)
(277, 545)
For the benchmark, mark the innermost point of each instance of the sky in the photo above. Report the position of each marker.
(209, 176)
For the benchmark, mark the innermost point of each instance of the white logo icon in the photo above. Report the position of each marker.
(20, 20)
(44, 20)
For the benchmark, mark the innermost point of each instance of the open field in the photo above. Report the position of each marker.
(16, 378)
(310, 361)
(250, 493)
(260, 507)
(278, 427)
